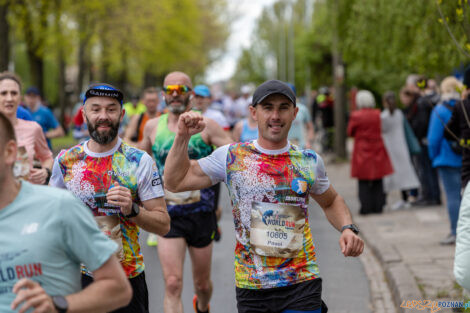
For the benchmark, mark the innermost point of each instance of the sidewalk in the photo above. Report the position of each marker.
(406, 243)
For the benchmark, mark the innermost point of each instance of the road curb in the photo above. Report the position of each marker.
(400, 280)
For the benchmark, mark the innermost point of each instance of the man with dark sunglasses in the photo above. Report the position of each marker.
(193, 224)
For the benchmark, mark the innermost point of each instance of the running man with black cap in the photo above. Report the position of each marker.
(269, 182)
(193, 222)
(120, 184)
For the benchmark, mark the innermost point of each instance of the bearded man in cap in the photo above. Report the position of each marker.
(119, 184)
(269, 182)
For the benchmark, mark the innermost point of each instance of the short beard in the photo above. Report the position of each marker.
(179, 109)
(103, 139)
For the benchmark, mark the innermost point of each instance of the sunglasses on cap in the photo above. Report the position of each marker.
(180, 89)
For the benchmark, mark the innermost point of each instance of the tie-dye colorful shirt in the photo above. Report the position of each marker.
(285, 176)
(89, 176)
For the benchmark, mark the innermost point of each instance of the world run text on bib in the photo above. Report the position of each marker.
(277, 229)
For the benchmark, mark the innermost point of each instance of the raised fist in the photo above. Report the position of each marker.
(190, 123)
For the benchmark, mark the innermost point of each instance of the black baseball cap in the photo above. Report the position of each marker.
(103, 90)
(272, 87)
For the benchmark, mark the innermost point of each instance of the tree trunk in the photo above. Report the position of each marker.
(43, 14)
(4, 39)
(340, 89)
(83, 53)
(81, 65)
(92, 72)
(122, 79)
(105, 77)
(339, 106)
(36, 65)
(150, 79)
(61, 96)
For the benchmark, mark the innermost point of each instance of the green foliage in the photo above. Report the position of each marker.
(122, 40)
(251, 67)
(384, 43)
(279, 28)
(381, 41)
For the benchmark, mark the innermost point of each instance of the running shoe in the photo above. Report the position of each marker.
(397, 205)
(152, 240)
(195, 306)
(449, 240)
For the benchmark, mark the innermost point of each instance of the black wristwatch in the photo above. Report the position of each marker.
(60, 304)
(49, 173)
(352, 227)
(135, 211)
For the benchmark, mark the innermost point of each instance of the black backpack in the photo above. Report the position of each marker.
(454, 143)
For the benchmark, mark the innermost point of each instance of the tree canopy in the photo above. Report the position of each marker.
(381, 41)
(132, 44)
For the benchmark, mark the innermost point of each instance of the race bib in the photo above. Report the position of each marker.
(180, 198)
(111, 227)
(21, 168)
(277, 229)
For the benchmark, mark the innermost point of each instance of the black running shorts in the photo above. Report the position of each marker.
(140, 296)
(305, 296)
(198, 229)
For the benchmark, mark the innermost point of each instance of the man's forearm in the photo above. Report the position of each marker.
(48, 163)
(310, 132)
(101, 296)
(177, 163)
(338, 213)
(58, 132)
(157, 221)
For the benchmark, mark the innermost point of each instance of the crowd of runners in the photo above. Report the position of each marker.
(159, 169)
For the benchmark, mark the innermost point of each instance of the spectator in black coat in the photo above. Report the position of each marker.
(418, 110)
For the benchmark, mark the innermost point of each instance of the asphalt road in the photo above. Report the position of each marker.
(345, 285)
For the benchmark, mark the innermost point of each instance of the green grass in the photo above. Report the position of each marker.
(63, 142)
(458, 287)
(442, 293)
(421, 288)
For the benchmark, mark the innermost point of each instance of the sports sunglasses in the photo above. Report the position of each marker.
(180, 89)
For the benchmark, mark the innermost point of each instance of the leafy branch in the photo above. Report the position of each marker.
(444, 22)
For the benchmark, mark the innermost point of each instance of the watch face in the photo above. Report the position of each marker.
(136, 209)
(60, 303)
(355, 229)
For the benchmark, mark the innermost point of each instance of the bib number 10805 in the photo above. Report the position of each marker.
(276, 234)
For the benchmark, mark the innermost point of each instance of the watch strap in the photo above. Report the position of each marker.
(134, 211)
(49, 173)
(352, 227)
